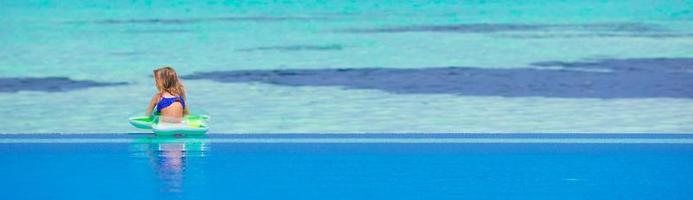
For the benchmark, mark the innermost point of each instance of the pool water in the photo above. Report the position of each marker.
(372, 166)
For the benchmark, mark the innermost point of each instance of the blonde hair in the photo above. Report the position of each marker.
(167, 81)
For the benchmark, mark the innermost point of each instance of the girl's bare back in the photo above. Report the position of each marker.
(172, 113)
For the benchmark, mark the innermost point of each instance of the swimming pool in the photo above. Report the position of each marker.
(347, 166)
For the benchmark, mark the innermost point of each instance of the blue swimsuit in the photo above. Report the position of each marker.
(165, 102)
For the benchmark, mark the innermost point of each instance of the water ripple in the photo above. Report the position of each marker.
(49, 84)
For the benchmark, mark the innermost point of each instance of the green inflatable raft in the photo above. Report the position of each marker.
(191, 125)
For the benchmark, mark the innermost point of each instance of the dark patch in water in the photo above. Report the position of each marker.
(587, 35)
(627, 78)
(464, 28)
(331, 47)
(49, 84)
(198, 20)
(492, 28)
(613, 27)
(157, 31)
(666, 66)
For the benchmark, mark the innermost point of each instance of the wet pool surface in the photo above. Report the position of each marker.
(349, 166)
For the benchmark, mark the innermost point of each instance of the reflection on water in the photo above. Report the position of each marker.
(169, 156)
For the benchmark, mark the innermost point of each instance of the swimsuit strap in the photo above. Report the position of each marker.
(165, 102)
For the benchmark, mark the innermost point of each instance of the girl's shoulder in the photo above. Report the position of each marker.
(156, 96)
(168, 95)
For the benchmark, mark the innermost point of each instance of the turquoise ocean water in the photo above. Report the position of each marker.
(122, 42)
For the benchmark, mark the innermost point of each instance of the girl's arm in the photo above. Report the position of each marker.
(185, 110)
(152, 103)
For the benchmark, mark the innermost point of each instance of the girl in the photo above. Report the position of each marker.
(170, 100)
